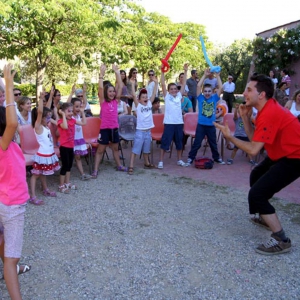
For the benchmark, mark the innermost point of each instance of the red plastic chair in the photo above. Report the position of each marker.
(228, 118)
(157, 130)
(190, 124)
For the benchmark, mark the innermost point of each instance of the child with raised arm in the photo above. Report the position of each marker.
(13, 192)
(173, 120)
(45, 160)
(109, 129)
(142, 138)
(80, 148)
(66, 128)
(240, 134)
(207, 104)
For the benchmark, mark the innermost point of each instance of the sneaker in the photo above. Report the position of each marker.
(229, 161)
(85, 177)
(160, 165)
(181, 163)
(274, 246)
(188, 162)
(260, 222)
(70, 186)
(219, 161)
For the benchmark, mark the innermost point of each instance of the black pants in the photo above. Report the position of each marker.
(67, 157)
(268, 178)
(229, 98)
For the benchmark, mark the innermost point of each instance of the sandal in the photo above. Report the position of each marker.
(71, 186)
(149, 166)
(130, 171)
(49, 193)
(122, 169)
(35, 201)
(21, 269)
(63, 189)
(94, 174)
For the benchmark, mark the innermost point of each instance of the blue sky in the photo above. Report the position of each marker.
(226, 21)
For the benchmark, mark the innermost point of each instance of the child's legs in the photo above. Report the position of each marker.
(79, 164)
(233, 153)
(115, 149)
(132, 158)
(11, 277)
(137, 146)
(199, 136)
(98, 156)
(212, 141)
(166, 139)
(44, 182)
(67, 157)
(33, 180)
(178, 138)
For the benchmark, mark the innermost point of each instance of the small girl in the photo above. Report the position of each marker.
(66, 128)
(45, 160)
(80, 148)
(142, 138)
(13, 192)
(108, 97)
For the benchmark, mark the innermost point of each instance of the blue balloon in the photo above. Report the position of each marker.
(213, 69)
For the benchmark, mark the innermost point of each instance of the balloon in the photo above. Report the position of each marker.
(213, 69)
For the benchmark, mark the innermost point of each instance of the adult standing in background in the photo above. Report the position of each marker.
(280, 94)
(180, 83)
(151, 85)
(228, 92)
(274, 79)
(17, 96)
(212, 80)
(287, 79)
(192, 85)
(132, 74)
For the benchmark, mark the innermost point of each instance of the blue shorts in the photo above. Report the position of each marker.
(109, 135)
(242, 138)
(142, 141)
(172, 132)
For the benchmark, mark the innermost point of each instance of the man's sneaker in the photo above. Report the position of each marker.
(188, 162)
(219, 161)
(160, 165)
(181, 163)
(260, 222)
(274, 246)
(229, 161)
(85, 177)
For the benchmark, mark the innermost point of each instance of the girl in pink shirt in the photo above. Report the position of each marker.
(13, 192)
(66, 128)
(108, 97)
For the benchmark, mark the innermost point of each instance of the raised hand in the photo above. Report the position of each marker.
(186, 67)
(115, 68)
(9, 74)
(102, 69)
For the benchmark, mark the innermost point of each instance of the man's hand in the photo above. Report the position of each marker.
(224, 129)
(244, 110)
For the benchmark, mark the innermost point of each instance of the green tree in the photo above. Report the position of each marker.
(235, 60)
(42, 31)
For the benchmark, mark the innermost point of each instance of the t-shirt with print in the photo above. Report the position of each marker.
(144, 116)
(207, 109)
(186, 105)
(173, 114)
(239, 128)
(279, 130)
(66, 136)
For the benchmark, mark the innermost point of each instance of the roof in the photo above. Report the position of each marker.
(281, 26)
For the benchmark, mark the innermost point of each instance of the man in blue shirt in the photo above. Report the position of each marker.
(207, 104)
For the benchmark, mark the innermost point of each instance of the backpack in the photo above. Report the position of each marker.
(204, 162)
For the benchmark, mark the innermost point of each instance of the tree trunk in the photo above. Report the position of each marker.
(39, 81)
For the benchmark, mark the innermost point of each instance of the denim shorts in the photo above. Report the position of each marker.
(12, 221)
(142, 141)
(109, 135)
(172, 132)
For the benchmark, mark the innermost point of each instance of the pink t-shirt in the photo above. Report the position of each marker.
(13, 185)
(109, 115)
(66, 138)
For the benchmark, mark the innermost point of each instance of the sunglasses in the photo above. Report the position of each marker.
(229, 78)
(151, 74)
(79, 96)
(18, 94)
(57, 95)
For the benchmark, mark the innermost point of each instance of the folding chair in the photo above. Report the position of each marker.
(127, 128)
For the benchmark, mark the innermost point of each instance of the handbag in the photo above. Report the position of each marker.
(204, 162)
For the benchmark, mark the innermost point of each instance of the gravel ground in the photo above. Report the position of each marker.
(153, 236)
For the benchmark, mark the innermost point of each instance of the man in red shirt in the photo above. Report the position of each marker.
(278, 131)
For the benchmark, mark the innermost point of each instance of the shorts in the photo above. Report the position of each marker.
(172, 132)
(130, 102)
(12, 220)
(142, 141)
(242, 138)
(109, 135)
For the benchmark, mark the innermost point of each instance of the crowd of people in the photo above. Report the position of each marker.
(275, 129)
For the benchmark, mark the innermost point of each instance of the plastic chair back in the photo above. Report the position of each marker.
(229, 118)
(29, 144)
(190, 123)
(158, 129)
(91, 130)
(127, 127)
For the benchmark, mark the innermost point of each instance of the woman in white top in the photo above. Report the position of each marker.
(274, 79)
(24, 111)
(294, 104)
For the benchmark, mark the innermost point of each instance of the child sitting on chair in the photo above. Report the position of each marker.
(240, 134)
